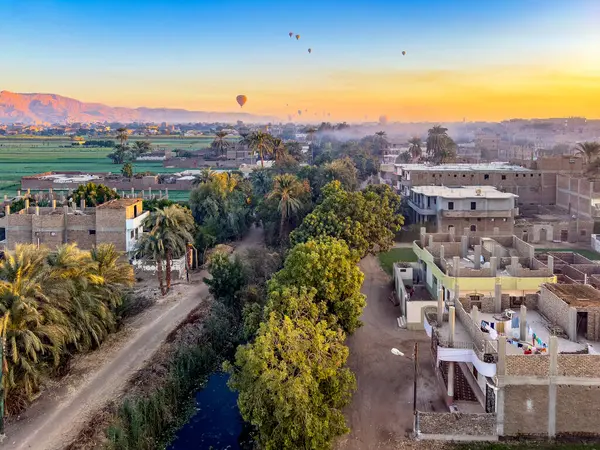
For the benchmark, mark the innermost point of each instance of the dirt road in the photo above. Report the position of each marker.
(96, 378)
(381, 413)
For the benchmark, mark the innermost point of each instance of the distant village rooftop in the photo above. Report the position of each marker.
(462, 192)
(488, 167)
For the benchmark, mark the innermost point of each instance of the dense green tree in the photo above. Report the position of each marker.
(222, 207)
(344, 171)
(227, 278)
(329, 266)
(262, 182)
(367, 220)
(291, 380)
(94, 194)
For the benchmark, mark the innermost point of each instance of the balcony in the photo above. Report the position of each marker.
(136, 222)
(422, 210)
(484, 214)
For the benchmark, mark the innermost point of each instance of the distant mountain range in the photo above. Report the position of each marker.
(52, 108)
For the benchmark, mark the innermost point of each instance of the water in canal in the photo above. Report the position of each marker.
(217, 424)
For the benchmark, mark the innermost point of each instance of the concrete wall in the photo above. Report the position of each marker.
(556, 311)
(414, 313)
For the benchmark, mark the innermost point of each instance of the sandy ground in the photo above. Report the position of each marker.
(381, 413)
(57, 415)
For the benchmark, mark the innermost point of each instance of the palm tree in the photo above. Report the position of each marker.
(589, 150)
(220, 144)
(262, 182)
(141, 147)
(32, 327)
(122, 136)
(288, 190)
(170, 232)
(278, 148)
(414, 147)
(115, 274)
(261, 143)
(206, 175)
(436, 138)
(381, 141)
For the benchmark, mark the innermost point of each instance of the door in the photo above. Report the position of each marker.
(564, 235)
(543, 235)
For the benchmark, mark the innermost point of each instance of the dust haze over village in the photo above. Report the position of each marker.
(275, 231)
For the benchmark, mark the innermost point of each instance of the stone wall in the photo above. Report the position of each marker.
(554, 309)
(577, 410)
(525, 410)
(457, 424)
(528, 365)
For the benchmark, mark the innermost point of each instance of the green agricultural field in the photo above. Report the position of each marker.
(28, 156)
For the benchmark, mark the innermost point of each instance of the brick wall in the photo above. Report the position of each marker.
(554, 309)
(528, 365)
(578, 409)
(111, 227)
(586, 366)
(526, 410)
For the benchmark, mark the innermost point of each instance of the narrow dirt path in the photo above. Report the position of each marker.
(96, 378)
(381, 413)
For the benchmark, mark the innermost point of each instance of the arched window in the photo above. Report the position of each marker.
(473, 227)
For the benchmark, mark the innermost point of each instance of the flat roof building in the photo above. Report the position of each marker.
(481, 209)
(117, 222)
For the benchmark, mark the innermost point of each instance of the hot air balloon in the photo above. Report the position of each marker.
(310, 50)
(297, 36)
(403, 53)
(383, 120)
(291, 33)
(241, 99)
(299, 112)
(306, 110)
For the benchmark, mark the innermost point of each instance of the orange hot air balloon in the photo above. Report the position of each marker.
(297, 37)
(291, 33)
(403, 53)
(310, 50)
(241, 99)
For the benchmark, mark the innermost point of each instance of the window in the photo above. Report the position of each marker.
(486, 176)
(464, 175)
(478, 219)
(517, 175)
(504, 177)
(135, 211)
(516, 302)
(582, 232)
(132, 234)
(455, 175)
(473, 205)
(91, 232)
(531, 175)
(473, 227)
(450, 205)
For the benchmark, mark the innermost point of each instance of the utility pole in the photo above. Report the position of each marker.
(416, 373)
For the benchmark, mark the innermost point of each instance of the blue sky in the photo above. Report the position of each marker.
(200, 54)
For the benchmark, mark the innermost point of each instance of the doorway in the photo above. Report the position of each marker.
(543, 235)
(582, 324)
(564, 235)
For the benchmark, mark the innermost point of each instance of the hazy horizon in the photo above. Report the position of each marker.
(483, 61)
